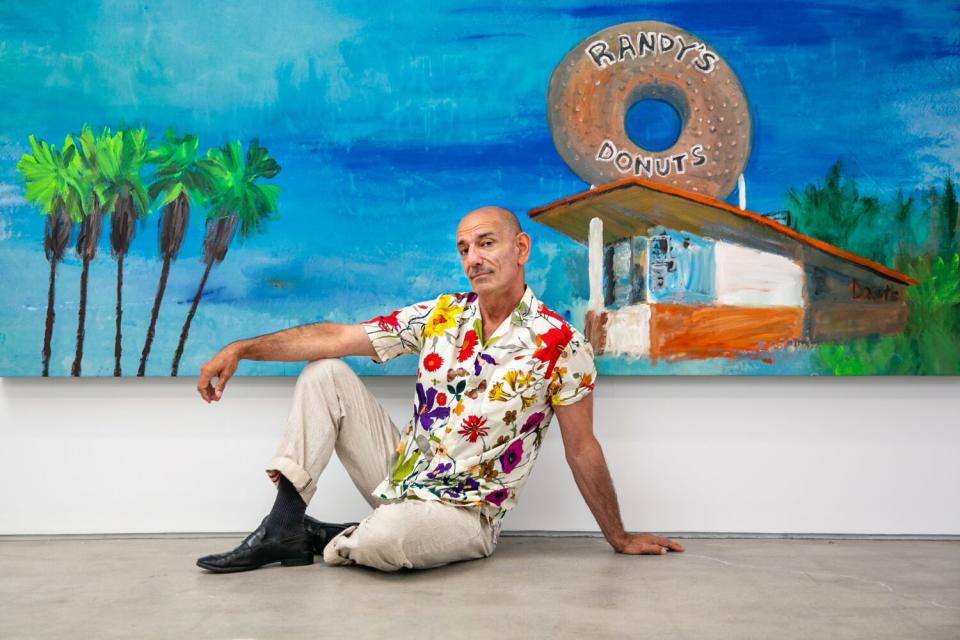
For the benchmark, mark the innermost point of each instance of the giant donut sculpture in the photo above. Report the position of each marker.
(596, 83)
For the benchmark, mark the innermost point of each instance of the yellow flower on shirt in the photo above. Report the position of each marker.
(443, 318)
(498, 394)
(517, 379)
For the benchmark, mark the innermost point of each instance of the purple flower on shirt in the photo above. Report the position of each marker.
(425, 413)
(532, 422)
(476, 363)
(440, 469)
(469, 484)
(497, 497)
(511, 457)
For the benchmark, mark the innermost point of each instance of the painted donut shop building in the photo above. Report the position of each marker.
(675, 272)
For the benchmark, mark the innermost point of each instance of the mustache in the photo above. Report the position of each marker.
(473, 273)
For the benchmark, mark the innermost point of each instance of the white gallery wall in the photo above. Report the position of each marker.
(749, 455)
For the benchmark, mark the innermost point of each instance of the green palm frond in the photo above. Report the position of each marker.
(52, 178)
(177, 169)
(121, 159)
(92, 149)
(259, 162)
(231, 184)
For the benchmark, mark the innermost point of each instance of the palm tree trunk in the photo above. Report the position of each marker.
(81, 318)
(161, 287)
(186, 325)
(116, 344)
(56, 235)
(48, 332)
(87, 241)
(173, 226)
(121, 233)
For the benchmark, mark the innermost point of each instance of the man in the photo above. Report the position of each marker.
(494, 365)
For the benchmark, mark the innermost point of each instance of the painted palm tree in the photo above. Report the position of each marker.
(178, 181)
(93, 183)
(52, 183)
(123, 158)
(236, 198)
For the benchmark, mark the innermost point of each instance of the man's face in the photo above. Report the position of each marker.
(491, 252)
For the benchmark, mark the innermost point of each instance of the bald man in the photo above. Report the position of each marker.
(495, 365)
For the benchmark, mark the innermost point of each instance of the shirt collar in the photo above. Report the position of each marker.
(526, 310)
(522, 316)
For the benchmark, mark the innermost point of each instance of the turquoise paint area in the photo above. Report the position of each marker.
(680, 268)
(781, 363)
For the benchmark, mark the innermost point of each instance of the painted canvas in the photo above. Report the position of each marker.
(740, 188)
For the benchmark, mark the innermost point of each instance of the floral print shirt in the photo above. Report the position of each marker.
(482, 404)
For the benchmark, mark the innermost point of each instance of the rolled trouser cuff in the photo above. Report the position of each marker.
(297, 476)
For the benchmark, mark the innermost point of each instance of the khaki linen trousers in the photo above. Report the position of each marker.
(333, 411)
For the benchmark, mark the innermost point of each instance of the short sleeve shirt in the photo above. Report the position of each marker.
(483, 404)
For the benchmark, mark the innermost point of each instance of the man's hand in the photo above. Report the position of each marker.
(222, 367)
(646, 543)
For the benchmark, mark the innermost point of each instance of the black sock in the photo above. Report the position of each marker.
(286, 517)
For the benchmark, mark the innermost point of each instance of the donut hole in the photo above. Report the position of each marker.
(656, 117)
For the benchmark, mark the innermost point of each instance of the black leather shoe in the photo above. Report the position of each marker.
(255, 552)
(321, 533)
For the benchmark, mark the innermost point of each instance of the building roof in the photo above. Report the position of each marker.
(633, 206)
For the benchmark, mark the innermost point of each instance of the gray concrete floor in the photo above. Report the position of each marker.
(530, 588)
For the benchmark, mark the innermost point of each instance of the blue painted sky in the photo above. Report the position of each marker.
(392, 121)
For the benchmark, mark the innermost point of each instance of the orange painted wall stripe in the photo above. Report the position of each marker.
(691, 332)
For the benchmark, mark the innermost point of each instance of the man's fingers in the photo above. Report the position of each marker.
(221, 383)
(658, 548)
(203, 384)
(670, 544)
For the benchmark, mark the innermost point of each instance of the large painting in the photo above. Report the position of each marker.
(730, 188)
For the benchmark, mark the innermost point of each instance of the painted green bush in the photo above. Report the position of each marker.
(915, 234)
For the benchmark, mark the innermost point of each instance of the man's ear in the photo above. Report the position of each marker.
(523, 248)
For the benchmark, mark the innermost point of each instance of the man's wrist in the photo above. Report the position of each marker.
(618, 541)
(239, 348)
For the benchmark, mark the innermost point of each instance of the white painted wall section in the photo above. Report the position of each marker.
(628, 331)
(749, 278)
(595, 264)
(800, 455)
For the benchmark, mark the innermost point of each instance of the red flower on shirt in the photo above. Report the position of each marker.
(469, 344)
(442, 399)
(388, 322)
(552, 343)
(550, 314)
(473, 427)
(432, 362)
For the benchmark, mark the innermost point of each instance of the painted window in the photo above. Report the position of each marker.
(681, 268)
(625, 272)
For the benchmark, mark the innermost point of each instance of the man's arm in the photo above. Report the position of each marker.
(306, 342)
(590, 471)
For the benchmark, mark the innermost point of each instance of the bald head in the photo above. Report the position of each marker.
(498, 215)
